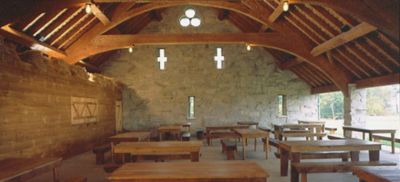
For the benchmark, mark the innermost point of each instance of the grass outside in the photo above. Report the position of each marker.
(388, 143)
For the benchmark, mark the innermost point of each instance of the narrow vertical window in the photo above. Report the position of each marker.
(282, 108)
(191, 107)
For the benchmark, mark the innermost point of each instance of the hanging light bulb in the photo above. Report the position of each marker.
(88, 8)
(285, 6)
(195, 22)
(130, 49)
(190, 12)
(184, 22)
(248, 47)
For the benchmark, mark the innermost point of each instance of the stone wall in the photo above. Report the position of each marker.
(355, 107)
(246, 89)
(35, 106)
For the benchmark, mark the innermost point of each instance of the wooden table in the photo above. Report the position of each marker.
(22, 169)
(377, 174)
(372, 131)
(296, 128)
(249, 123)
(295, 148)
(159, 148)
(132, 136)
(302, 134)
(210, 171)
(322, 123)
(174, 129)
(210, 129)
(253, 133)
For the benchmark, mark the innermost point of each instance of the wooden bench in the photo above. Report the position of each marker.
(229, 147)
(186, 136)
(111, 167)
(377, 173)
(326, 155)
(335, 137)
(23, 169)
(331, 130)
(77, 179)
(222, 134)
(100, 152)
(304, 168)
(386, 138)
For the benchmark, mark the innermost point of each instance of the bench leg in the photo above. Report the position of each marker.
(374, 155)
(195, 156)
(100, 158)
(243, 148)
(230, 155)
(255, 144)
(392, 142)
(355, 156)
(294, 175)
(118, 158)
(303, 177)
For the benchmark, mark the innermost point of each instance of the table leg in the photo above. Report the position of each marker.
(55, 174)
(255, 144)
(208, 138)
(392, 142)
(266, 146)
(355, 156)
(370, 136)
(284, 156)
(195, 156)
(243, 147)
(363, 135)
(374, 155)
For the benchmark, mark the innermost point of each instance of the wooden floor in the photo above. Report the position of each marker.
(85, 165)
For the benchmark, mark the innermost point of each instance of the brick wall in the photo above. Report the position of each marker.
(35, 106)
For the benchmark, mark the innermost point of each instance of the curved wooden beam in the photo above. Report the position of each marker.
(383, 14)
(80, 48)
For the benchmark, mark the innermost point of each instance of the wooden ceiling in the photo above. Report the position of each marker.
(326, 43)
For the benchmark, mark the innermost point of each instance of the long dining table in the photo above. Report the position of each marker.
(291, 150)
(207, 171)
(159, 148)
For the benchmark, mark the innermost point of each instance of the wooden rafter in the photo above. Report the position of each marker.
(290, 63)
(354, 33)
(99, 14)
(383, 14)
(324, 89)
(49, 22)
(63, 23)
(24, 39)
(379, 81)
(277, 12)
